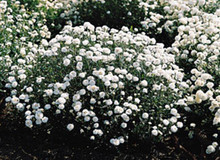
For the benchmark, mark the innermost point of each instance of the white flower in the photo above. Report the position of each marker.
(20, 106)
(218, 98)
(95, 119)
(79, 65)
(22, 76)
(21, 61)
(166, 122)
(78, 58)
(70, 127)
(14, 100)
(145, 115)
(101, 94)
(118, 110)
(38, 121)
(93, 88)
(14, 84)
(115, 141)
(129, 76)
(107, 83)
(130, 98)
(92, 138)
(123, 125)
(154, 132)
(61, 106)
(85, 112)
(215, 135)
(76, 97)
(201, 95)
(11, 79)
(121, 139)
(173, 129)
(145, 90)
(125, 117)
(77, 107)
(85, 42)
(29, 89)
(27, 113)
(173, 119)
(210, 85)
(29, 123)
(47, 106)
(87, 118)
(8, 99)
(61, 100)
(118, 50)
(45, 119)
(179, 124)
(215, 144)
(128, 112)
(210, 149)
(216, 119)
(39, 115)
(49, 92)
(82, 92)
(206, 76)
(35, 106)
(92, 101)
(72, 74)
(137, 100)
(22, 51)
(82, 75)
(173, 111)
(39, 79)
(108, 102)
(192, 125)
(106, 50)
(109, 113)
(66, 62)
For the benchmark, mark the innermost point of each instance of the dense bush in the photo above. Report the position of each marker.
(103, 81)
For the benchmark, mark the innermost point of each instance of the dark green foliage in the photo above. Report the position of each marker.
(113, 13)
(30, 4)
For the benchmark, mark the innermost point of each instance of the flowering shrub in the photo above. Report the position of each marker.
(194, 28)
(196, 47)
(108, 82)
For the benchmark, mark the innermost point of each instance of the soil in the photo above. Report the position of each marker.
(22, 145)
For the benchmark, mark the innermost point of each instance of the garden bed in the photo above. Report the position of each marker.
(109, 79)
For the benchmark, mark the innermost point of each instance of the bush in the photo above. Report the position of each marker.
(103, 81)
(197, 49)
